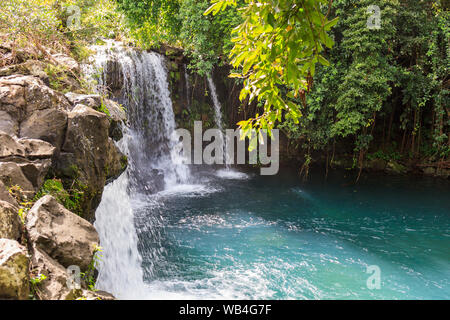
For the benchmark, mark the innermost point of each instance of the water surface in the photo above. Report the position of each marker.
(247, 236)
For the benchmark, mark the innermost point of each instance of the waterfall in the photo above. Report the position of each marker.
(154, 161)
(188, 87)
(218, 118)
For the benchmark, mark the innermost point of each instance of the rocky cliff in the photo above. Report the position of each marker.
(57, 152)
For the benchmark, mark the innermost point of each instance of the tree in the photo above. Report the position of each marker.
(275, 51)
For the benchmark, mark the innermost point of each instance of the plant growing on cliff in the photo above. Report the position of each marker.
(34, 285)
(89, 275)
(71, 199)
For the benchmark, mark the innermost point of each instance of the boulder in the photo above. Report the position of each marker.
(54, 287)
(36, 149)
(22, 101)
(14, 265)
(6, 196)
(35, 171)
(11, 175)
(8, 123)
(64, 236)
(395, 167)
(115, 113)
(117, 117)
(91, 100)
(83, 294)
(30, 67)
(24, 162)
(9, 221)
(48, 125)
(67, 62)
(24, 148)
(89, 149)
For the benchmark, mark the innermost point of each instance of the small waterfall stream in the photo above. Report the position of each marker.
(218, 119)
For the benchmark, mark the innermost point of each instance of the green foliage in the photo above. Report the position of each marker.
(385, 87)
(181, 23)
(89, 275)
(35, 282)
(59, 25)
(57, 77)
(71, 199)
(276, 50)
(385, 155)
(103, 108)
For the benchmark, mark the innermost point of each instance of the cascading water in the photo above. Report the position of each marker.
(188, 87)
(154, 164)
(218, 119)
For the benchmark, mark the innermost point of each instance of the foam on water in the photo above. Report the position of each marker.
(187, 190)
(231, 174)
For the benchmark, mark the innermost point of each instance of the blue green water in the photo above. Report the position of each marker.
(276, 237)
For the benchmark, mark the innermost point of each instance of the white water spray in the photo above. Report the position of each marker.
(219, 119)
(154, 163)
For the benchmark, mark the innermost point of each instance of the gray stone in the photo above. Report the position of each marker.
(48, 125)
(5, 195)
(54, 287)
(9, 221)
(64, 236)
(14, 264)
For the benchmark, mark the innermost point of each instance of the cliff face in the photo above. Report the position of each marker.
(57, 152)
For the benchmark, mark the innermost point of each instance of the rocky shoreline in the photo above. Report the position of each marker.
(48, 138)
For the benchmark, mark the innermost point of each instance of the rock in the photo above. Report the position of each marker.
(48, 125)
(429, 171)
(9, 146)
(91, 100)
(24, 162)
(28, 175)
(35, 171)
(54, 287)
(9, 221)
(21, 98)
(6, 196)
(25, 148)
(14, 264)
(395, 167)
(30, 67)
(117, 117)
(90, 295)
(11, 175)
(66, 62)
(89, 149)
(64, 236)
(8, 123)
(115, 113)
